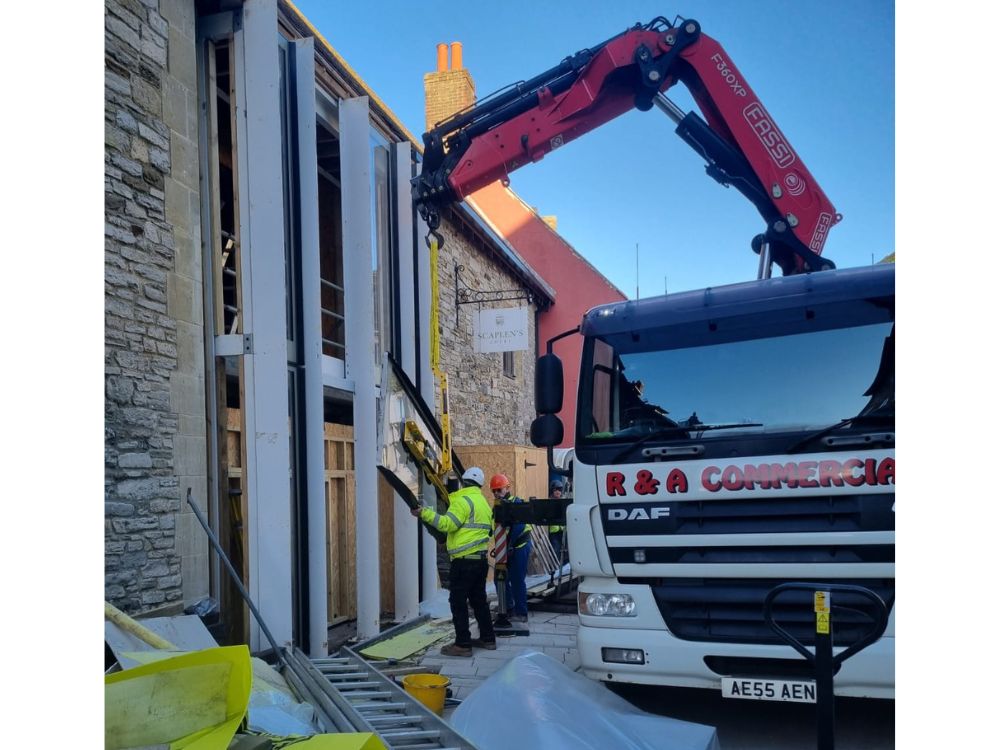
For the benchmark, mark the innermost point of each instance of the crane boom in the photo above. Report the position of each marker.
(738, 138)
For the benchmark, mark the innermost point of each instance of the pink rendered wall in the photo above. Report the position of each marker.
(577, 284)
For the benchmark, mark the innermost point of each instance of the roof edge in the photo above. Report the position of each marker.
(562, 239)
(369, 92)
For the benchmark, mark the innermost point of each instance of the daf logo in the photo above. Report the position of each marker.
(638, 514)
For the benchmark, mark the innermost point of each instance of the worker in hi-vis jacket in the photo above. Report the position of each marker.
(519, 552)
(468, 523)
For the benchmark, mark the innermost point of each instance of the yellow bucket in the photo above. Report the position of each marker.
(429, 689)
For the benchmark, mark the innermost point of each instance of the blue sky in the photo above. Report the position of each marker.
(824, 70)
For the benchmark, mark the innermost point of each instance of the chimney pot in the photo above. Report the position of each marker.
(442, 53)
(456, 55)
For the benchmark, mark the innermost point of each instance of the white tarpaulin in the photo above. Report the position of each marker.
(536, 702)
(502, 329)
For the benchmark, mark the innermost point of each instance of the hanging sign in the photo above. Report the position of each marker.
(500, 330)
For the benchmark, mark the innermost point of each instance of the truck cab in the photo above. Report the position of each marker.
(728, 440)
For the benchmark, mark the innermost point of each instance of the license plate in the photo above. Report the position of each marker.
(769, 690)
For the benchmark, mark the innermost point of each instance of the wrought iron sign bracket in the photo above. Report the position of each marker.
(465, 295)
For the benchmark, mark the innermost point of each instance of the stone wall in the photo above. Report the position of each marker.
(153, 349)
(487, 407)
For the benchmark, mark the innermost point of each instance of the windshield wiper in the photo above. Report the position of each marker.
(681, 430)
(858, 419)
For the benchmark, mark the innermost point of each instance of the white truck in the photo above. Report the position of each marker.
(759, 452)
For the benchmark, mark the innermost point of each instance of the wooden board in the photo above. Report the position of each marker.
(233, 512)
(411, 641)
(525, 466)
(342, 599)
(341, 530)
(527, 469)
(386, 545)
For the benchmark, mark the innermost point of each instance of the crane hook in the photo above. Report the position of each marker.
(436, 235)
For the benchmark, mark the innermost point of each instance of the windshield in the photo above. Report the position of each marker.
(791, 383)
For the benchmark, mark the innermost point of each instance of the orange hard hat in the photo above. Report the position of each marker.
(499, 481)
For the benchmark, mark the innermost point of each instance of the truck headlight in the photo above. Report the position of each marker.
(606, 605)
(623, 655)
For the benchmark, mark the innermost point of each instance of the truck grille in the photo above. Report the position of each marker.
(732, 610)
(756, 515)
(813, 554)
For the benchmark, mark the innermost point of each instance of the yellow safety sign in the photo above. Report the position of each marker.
(821, 601)
(823, 622)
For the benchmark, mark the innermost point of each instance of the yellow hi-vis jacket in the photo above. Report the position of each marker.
(468, 522)
(555, 529)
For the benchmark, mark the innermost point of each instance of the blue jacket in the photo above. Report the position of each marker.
(520, 533)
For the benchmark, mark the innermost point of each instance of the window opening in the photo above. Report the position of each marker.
(223, 274)
(381, 242)
(508, 364)
(331, 242)
(227, 247)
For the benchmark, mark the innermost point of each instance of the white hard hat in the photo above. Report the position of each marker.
(475, 474)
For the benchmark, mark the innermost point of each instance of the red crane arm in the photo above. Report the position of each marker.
(739, 140)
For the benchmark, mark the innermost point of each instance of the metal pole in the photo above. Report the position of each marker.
(500, 548)
(824, 672)
(668, 108)
(312, 349)
(357, 208)
(236, 579)
(822, 659)
(764, 267)
(405, 536)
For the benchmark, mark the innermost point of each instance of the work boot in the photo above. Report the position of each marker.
(480, 643)
(453, 649)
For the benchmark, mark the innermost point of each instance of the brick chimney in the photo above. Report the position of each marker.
(448, 89)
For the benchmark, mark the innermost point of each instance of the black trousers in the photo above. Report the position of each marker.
(467, 580)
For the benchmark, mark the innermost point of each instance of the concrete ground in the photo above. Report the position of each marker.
(741, 725)
(550, 633)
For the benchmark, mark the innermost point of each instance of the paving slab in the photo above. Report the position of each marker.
(549, 633)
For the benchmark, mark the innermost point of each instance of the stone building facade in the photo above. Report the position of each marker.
(488, 406)
(154, 405)
(159, 386)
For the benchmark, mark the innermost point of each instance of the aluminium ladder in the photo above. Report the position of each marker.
(353, 696)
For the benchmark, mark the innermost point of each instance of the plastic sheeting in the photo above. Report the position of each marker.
(186, 632)
(536, 702)
(274, 708)
(436, 606)
(194, 700)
